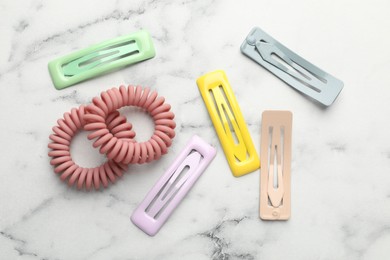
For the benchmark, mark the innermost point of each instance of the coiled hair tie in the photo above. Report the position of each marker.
(122, 150)
(113, 134)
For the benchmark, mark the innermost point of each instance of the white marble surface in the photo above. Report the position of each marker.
(341, 155)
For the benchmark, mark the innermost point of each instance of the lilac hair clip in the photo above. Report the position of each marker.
(171, 188)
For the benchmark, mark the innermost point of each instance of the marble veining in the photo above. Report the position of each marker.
(341, 155)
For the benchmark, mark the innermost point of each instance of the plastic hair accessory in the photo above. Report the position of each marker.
(275, 180)
(101, 58)
(171, 188)
(114, 135)
(228, 122)
(67, 127)
(291, 68)
(111, 142)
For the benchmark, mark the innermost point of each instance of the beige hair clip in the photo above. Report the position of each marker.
(275, 197)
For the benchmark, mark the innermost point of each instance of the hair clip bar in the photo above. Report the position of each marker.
(275, 197)
(228, 122)
(101, 58)
(171, 188)
(291, 68)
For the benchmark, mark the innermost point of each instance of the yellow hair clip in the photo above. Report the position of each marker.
(228, 122)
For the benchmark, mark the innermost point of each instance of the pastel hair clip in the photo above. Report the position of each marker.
(291, 68)
(228, 122)
(173, 186)
(101, 58)
(275, 177)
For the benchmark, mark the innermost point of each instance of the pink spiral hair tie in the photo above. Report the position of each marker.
(113, 134)
(124, 150)
(61, 139)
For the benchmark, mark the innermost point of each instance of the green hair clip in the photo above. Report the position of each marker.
(101, 58)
